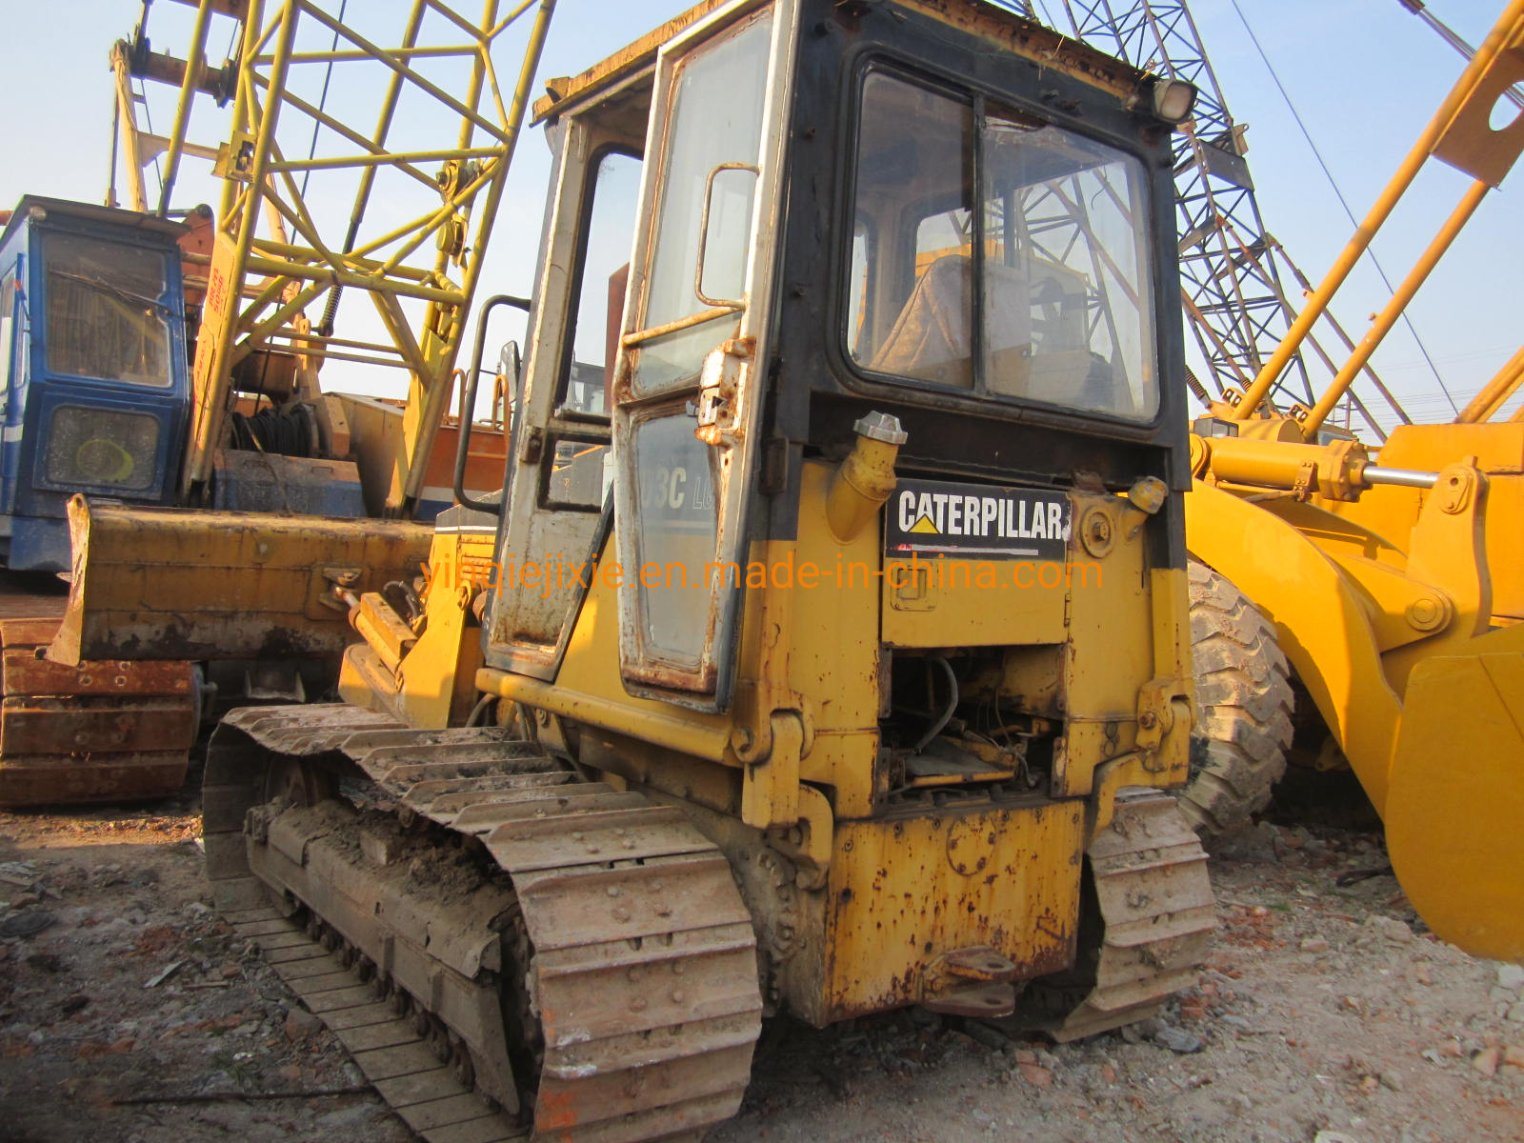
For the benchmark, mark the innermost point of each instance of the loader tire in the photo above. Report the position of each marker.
(1243, 706)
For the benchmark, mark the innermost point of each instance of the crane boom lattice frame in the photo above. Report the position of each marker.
(1231, 268)
(285, 242)
(1228, 277)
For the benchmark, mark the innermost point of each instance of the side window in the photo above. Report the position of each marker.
(601, 276)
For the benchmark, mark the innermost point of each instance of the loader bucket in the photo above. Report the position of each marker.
(1455, 804)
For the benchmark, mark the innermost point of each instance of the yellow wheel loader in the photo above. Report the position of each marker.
(1388, 586)
(826, 651)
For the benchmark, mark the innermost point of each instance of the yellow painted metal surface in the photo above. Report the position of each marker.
(1499, 452)
(1495, 394)
(588, 688)
(1399, 612)
(836, 638)
(427, 679)
(902, 893)
(1331, 470)
(153, 583)
(1322, 624)
(909, 885)
(1457, 795)
(1127, 626)
(950, 603)
(1112, 654)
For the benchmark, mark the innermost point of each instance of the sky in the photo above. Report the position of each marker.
(1366, 76)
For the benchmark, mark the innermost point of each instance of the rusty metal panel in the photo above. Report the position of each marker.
(42, 780)
(905, 894)
(31, 725)
(167, 584)
(618, 835)
(568, 909)
(23, 672)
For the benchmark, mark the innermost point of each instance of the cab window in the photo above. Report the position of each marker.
(1035, 287)
(107, 316)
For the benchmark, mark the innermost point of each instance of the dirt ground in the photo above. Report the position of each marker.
(1325, 1014)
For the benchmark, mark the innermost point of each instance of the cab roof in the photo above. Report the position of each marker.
(1001, 26)
(91, 212)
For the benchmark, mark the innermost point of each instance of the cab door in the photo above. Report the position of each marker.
(688, 388)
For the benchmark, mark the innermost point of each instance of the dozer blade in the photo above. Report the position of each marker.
(161, 583)
(104, 731)
(1456, 797)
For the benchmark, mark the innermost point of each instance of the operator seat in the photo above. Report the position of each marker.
(931, 338)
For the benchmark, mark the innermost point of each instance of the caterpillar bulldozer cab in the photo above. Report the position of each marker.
(827, 649)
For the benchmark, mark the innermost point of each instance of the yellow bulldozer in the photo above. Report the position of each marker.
(827, 649)
(1365, 608)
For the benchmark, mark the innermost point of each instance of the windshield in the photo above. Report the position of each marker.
(106, 316)
(1037, 288)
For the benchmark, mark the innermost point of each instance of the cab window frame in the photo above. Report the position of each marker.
(856, 376)
(546, 497)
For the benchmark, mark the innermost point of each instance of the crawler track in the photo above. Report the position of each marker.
(567, 955)
(1156, 915)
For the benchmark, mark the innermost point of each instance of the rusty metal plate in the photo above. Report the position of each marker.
(903, 893)
(444, 1112)
(990, 1001)
(489, 1129)
(95, 725)
(529, 803)
(708, 974)
(417, 763)
(696, 1091)
(23, 673)
(59, 779)
(168, 584)
(593, 905)
(422, 795)
(362, 742)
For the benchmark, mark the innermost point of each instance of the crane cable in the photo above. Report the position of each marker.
(1343, 202)
(323, 98)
